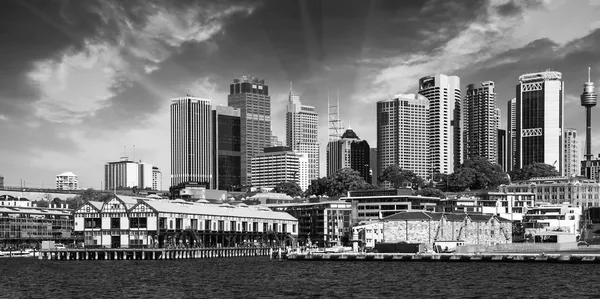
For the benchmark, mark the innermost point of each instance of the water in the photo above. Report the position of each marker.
(259, 277)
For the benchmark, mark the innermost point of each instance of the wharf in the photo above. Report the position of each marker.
(584, 258)
(150, 253)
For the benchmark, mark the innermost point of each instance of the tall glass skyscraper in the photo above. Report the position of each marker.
(480, 122)
(444, 121)
(539, 120)
(302, 132)
(251, 96)
(227, 163)
(402, 135)
(572, 153)
(511, 135)
(191, 141)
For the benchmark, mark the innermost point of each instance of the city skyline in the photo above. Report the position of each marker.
(80, 83)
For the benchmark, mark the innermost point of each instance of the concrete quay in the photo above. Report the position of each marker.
(150, 253)
(450, 257)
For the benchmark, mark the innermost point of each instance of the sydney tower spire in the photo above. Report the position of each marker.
(589, 98)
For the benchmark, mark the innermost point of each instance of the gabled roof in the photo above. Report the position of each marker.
(129, 201)
(455, 217)
(411, 215)
(213, 209)
(480, 217)
(503, 220)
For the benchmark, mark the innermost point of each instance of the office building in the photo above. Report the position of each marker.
(303, 179)
(480, 122)
(511, 135)
(575, 190)
(302, 127)
(572, 153)
(251, 96)
(275, 165)
(349, 152)
(444, 121)
(227, 163)
(191, 141)
(539, 119)
(156, 178)
(402, 135)
(127, 174)
(67, 181)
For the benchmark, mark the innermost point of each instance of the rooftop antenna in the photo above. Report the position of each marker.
(335, 124)
(291, 93)
(134, 152)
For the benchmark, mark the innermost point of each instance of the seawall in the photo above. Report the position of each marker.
(150, 254)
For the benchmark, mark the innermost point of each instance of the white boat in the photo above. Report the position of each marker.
(17, 253)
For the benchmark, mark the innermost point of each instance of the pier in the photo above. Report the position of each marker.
(151, 254)
(450, 257)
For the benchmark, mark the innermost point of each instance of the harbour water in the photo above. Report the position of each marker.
(259, 277)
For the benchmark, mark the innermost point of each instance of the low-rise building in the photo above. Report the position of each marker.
(324, 224)
(267, 198)
(67, 181)
(504, 204)
(563, 217)
(377, 204)
(30, 225)
(367, 235)
(127, 221)
(575, 190)
(11, 201)
(429, 227)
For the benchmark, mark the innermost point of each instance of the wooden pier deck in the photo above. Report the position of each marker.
(450, 257)
(150, 253)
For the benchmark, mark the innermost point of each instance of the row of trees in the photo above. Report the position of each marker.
(474, 174)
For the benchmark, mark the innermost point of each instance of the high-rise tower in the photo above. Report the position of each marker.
(540, 120)
(402, 135)
(480, 122)
(191, 141)
(589, 98)
(511, 135)
(444, 120)
(251, 96)
(302, 127)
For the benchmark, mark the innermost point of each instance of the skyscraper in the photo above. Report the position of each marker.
(480, 122)
(227, 165)
(572, 153)
(502, 156)
(127, 174)
(275, 165)
(511, 135)
(444, 131)
(251, 96)
(402, 135)
(539, 120)
(349, 152)
(302, 127)
(191, 141)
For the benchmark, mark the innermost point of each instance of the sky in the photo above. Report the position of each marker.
(84, 82)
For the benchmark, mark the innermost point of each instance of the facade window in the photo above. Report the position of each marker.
(115, 223)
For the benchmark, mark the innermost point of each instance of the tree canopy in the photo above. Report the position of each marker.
(290, 188)
(338, 184)
(532, 171)
(477, 173)
(399, 177)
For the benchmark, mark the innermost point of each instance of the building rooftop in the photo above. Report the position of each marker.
(218, 210)
(66, 174)
(270, 195)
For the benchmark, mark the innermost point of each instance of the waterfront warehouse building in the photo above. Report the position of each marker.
(191, 141)
(572, 153)
(402, 134)
(325, 223)
(480, 122)
(67, 181)
(539, 120)
(349, 152)
(23, 224)
(273, 166)
(251, 96)
(128, 222)
(302, 133)
(227, 163)
(430, 228)
(574, 190)
(444, 121)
